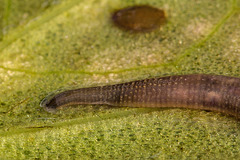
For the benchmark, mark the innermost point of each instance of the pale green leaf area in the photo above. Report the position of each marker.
(15, 13)
(74, 44)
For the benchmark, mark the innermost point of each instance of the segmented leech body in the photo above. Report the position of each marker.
(205, 92)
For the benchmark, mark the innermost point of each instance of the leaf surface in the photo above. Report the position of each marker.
(74, 44)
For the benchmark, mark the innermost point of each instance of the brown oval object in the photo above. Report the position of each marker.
(139, 18)
(199, 91)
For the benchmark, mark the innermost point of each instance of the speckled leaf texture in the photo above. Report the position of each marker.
(50, 45)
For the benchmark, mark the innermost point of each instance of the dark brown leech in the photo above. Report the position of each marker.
(206, 92)
(139, 18)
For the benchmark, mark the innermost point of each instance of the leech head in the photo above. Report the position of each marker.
(49, 103)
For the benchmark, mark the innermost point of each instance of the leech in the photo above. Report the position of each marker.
(198, 91)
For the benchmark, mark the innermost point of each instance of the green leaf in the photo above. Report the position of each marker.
(74, 44)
